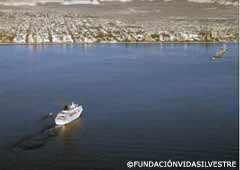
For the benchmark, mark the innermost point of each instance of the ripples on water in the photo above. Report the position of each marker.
(140, 102)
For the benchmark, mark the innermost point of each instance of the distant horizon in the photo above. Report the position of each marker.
(97, 2)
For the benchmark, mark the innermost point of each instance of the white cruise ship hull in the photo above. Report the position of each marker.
(69, 117)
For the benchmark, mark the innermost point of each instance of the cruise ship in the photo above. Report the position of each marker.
(68, 114)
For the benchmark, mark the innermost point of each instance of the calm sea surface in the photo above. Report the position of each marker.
(141, 102)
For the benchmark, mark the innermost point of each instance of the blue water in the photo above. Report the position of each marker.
(141, 102)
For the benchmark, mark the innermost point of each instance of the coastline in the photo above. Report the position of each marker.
(132, 43)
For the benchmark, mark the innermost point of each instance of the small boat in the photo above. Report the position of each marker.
(221, 52)
(68, 114)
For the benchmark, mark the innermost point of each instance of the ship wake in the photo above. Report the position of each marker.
(39, 138)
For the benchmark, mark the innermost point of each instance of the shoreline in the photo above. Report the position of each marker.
(113, 43)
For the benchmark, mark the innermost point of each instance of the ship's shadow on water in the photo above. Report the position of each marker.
(41, 137)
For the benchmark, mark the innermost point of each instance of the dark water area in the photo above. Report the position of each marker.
(141, 102)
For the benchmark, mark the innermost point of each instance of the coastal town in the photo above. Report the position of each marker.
(37, 27)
